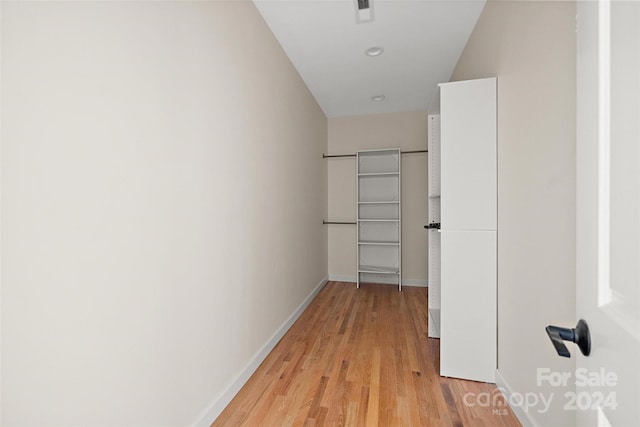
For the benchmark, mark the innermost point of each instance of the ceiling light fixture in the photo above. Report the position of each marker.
(378, 98)
(374, 51)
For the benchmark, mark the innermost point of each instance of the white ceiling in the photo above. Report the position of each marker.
(422, 41)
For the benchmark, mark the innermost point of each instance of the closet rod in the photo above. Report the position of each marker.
(327, 156)
(337, 222)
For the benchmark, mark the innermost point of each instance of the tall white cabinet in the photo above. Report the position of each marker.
(378, 222)
(468, 237)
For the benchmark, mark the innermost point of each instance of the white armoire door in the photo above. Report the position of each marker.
(468, 316)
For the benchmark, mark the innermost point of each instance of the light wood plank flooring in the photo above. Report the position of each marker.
(361, 357)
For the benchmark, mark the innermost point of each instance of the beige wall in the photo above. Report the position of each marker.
(163, 191)
(407, 131)
(531, 48)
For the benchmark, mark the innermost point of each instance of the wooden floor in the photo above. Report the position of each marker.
(361, 357)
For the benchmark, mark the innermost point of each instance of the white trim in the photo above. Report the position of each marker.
(339, 278)
(405, 282)
(1, 223)
(210, 414)
(522, 416)
(604, 151)
(416, 283)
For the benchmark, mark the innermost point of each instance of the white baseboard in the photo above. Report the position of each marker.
(507, 392)
(221, 402)
(352, 279)
(338, 278)
(416, 283)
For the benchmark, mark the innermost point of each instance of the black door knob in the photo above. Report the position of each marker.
(579, 335)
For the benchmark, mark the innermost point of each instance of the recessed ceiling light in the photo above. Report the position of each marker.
(378, 98)
(374, 51)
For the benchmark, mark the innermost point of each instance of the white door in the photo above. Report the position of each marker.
(468, 339)
(608, 213)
